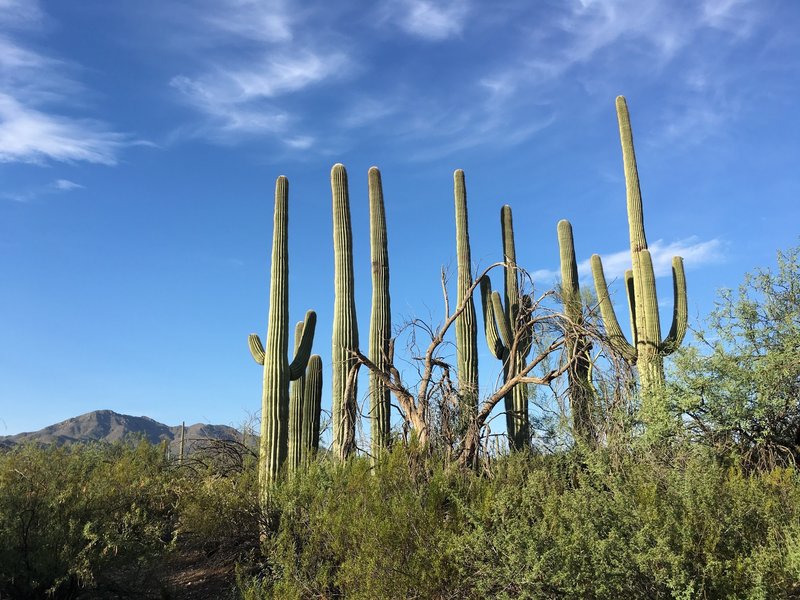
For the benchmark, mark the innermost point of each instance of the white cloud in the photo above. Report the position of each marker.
(429, 19)
(258, 20)
(34, 136)
(695, 254)
(66, 185)
(56, 187)
(242, 93)
(20, 13)
(33, 88)
(302, 142)
(735, 16)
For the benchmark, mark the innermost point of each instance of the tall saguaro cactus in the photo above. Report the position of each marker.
(312, 409)
(648, 349)
(345, 326)
(581, 392)
(503, 315)
(277, 369)
(380, 326)
(466, 327)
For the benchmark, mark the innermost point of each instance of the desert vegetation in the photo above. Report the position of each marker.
(638, 467)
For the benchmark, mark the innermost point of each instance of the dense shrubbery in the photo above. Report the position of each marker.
(542, 527)
(79, 517)
(680, 522)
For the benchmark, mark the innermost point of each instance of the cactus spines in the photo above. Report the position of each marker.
(312, 409)
(380, 326)
(466, 327)
(296, 411)
(501, 318)
(277, 370)
(581, 392)
(647, 350)
(345, 326)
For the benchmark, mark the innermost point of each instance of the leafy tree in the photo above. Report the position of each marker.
(741, 386)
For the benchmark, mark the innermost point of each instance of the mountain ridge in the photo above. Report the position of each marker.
(111, 427)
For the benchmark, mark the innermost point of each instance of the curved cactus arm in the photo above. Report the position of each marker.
(297, 368)
(615, 335)
(631, 294)
(256, 348)
(490, 326)
(680, 312)
(506, 333)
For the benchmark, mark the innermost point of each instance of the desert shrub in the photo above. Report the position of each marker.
(738, 387)
(218, 506)
(82, 516)
(679, 526)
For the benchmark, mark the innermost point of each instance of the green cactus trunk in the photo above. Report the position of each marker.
(380, 327)
(466, 327)
(345, 326)
(581, 391)
(503, 324)
(296, 392)
(183, 442)
(647, 350)
(312, 410)
(278, 371)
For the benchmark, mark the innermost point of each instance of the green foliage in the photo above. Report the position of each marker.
(678, 526)
(81, 516)
(741, 387)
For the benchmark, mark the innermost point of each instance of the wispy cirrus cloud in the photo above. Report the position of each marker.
(696, 253)
(608, 44)
(58, 186)
(433, 20)
(34, 91)
(31, 135)
(244, 93)
(258, 20)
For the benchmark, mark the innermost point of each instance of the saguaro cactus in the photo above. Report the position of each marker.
(277, 369)
(345, 326)
(647, 350)
(581, 392)
(466, 327)
(296, 393)
(312, 409)
(504, 314)
(380, 326)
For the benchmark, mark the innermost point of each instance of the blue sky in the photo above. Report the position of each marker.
(140, 142)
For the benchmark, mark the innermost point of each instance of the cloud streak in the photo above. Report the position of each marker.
(243, 94)
(433, 20)
(58, 186)
(32, 89)
(695, 253)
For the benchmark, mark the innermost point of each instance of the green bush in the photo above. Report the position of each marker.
(682, 526)
(80, 516)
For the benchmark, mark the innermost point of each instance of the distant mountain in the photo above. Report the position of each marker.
(108, 426)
